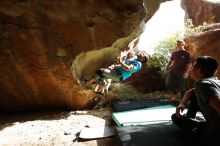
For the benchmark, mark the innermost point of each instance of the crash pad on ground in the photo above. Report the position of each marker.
(120, 106)
(144, 116)
(162, 134)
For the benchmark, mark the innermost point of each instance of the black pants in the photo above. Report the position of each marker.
(196, 129)
(175, 83)
(186, 122)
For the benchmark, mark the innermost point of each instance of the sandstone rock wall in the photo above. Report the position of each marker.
(201, 11)
(46, 47)
(207, 43)
(40, 39)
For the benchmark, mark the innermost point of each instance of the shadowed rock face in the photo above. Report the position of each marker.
(40, 39)
(201, 11)
(46, 47)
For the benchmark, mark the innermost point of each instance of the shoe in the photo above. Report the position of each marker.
(107, 85)
(100, 89)
(97, 88)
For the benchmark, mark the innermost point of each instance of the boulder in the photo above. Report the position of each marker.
(201, 11)
(48, 47)
(206, 43)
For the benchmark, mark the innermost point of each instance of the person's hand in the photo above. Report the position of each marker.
(179, 109)
(119, 60)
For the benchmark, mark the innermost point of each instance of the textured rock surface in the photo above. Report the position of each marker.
(207, 43)
(47, 47)
(201, 11)
(40, 39)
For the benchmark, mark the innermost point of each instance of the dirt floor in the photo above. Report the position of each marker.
(54, 128)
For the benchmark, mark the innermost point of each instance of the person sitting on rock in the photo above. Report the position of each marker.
(204, 97)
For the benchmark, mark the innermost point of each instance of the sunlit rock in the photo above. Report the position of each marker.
(206, 43)
(201, 11)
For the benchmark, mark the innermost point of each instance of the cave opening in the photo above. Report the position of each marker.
(167, 20)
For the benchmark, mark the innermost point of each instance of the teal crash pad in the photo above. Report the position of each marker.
(144, 116)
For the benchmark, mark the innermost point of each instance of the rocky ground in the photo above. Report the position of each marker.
(54, 127)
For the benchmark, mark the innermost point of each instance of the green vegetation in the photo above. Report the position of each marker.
(191, 30)
(164, 48)
(123, 91)
(162, 51)
(158, 60)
